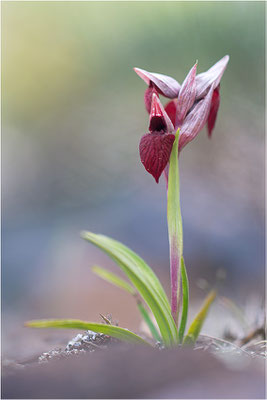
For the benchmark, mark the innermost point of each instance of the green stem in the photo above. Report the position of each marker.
(175, 228)
(185, 288)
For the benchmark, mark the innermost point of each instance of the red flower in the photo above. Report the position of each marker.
(194, 104)
(155, 147)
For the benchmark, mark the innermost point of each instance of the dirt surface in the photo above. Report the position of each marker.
(123, 371)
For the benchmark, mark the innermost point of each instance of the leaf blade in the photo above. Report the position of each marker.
(199, 319)
(113, 279)
(122, 284)
(145, 281)
(185, 288)
(110, 330)
(147, 319)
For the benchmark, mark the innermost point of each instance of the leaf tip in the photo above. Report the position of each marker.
(85, 234)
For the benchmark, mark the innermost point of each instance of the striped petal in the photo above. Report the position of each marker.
(166, 85)
(195, 120)
(212, 76)
(187, 95)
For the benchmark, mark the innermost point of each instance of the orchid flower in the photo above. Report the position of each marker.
(194, 104)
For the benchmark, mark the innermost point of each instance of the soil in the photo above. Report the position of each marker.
(96, 366)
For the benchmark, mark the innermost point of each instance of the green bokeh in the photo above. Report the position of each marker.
(59, 54)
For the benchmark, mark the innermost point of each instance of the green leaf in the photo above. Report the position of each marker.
(147, 319)
(185, 301)
(113, 279)
(198, 322)
(110, 330)
(122, 284)
(144, 280)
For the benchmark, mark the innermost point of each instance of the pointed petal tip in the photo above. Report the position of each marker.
(223, 61)
(193, 70)
(209, 134)
(212, 75)
(143, 75)
(165, 85)
(137, 70)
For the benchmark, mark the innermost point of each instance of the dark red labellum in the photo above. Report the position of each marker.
(155, 150)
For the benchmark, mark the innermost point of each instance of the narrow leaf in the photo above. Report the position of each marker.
(110, 330)
(122, 284)
(147, 319)
(185, 288)
(145, 281)
(199, 320)
(175, 227)
(114, 279)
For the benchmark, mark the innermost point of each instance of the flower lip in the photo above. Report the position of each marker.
(155, 150)
(166, 85)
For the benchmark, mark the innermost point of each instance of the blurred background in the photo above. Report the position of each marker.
(72, 118)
